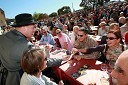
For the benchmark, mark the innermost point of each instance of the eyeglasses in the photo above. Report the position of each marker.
(80, 35)
(45, 59)
(58, 32)
(111, 38)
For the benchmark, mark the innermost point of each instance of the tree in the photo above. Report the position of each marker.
(54, 14)
(43, 16)
(107, 0)
(82, 3)
(64, 10)
(40, 16)
(36, 16)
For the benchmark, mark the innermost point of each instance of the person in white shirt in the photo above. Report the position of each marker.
(33, 62)
(73, 35)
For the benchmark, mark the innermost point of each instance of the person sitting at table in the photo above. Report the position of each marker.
(64, 40)
(112, 27)
(88, 27)
(46, 38)
(65, 29)
(37, 35)
(73, 35)
(33, 62)
(124, 28)
(103, 29)
(111, 20)
(120, 71)
(84, 41)
(110, 51)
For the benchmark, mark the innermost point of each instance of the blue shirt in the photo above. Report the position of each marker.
(47, 39)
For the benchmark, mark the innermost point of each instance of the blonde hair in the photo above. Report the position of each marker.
(112, 25)
(75, 27)
(102, 23)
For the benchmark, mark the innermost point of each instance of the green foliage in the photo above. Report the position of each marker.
(36, 16)
(43, 16)
(40, 16)
(82, 4)
(107, 0)
(54, 14)
(61, 11)
(64, 10)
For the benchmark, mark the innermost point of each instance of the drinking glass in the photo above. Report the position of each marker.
(104, 81)
(78, 59)
(104, 68)
(47, 50)
(109, 70)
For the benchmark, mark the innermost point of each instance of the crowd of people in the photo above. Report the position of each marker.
(21, 59)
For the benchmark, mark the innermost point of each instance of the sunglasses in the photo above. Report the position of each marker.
(80, 35)
(111, 38)
(45, 59)
(58, 33)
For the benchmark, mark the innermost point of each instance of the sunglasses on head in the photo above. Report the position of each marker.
(58, 33)
(111, 38)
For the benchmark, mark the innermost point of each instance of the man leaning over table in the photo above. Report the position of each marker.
(12, 46)
(84, 41)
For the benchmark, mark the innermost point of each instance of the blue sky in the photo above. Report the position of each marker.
(14, 7)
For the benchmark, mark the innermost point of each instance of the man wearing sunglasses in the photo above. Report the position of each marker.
(64, 40)
(84, 41)
(120, 71)
(111, 50)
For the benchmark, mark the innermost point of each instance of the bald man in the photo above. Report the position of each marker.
(120, 72)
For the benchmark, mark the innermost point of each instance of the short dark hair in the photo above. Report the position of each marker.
(116, 33)
(33, 60)
(84, 30)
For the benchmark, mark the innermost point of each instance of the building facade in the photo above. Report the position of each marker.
(2, 18)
